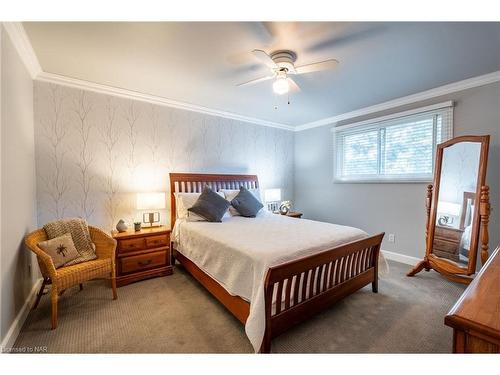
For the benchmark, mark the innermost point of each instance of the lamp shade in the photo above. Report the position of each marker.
(272, 195)
(449, 208)
(150, 201)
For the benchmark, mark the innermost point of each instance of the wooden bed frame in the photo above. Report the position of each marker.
(322, 278)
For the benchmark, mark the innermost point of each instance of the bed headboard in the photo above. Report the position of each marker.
(194, 183)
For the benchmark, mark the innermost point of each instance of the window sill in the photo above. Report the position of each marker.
(382, 181)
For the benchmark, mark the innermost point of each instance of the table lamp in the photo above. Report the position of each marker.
(151, 201)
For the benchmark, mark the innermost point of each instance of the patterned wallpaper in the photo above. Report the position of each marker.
(94, 152)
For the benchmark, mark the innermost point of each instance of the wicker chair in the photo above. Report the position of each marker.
(66, 277)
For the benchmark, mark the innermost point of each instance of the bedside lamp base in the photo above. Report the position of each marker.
(151, 218)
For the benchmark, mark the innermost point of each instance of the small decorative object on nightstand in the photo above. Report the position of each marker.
(285, 207)
(121, 226)
(142, 254)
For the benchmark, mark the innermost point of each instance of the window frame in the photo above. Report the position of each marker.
(445, 109)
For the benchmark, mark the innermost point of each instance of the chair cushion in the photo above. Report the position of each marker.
(61, 249)
(79, 233)
(69, 276)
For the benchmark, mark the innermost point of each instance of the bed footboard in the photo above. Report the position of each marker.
(309, 285)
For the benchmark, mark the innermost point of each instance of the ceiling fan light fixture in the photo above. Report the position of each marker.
(281, 86)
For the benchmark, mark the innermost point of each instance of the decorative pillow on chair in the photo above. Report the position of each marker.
(61, 249)
(210, 206)
(79, 234)
(246, 203)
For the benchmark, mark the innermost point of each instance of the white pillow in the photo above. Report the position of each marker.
(230, 194)
(184, 201)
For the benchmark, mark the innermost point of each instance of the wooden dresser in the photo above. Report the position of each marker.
(143, 254)
(446, 242)
(475, 318)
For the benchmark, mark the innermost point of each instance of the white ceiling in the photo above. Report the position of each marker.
(200, 63)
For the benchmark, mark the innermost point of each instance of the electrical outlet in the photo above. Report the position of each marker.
(392, 237)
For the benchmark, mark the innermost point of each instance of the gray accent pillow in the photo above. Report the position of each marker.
(246, 203)
(210, 206)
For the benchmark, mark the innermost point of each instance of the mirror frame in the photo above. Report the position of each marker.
(444, 264)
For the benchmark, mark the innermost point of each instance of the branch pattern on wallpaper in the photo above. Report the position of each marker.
(81, 109)
(109, 137)
(55, 183)
(131, 115)
(94, 152)
(154, 135)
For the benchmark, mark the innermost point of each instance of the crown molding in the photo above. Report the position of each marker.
(419, 110)
(465, 84)
(23, 47)
(153, 99)
(25, 50)
(405, 100)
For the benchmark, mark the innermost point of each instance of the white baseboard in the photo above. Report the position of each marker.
(406, 259)
(17, 324)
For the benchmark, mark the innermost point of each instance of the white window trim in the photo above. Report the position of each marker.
(374, 122)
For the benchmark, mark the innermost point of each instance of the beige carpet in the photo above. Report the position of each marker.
(175, 314)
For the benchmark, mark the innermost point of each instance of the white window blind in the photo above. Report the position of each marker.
(399, 147)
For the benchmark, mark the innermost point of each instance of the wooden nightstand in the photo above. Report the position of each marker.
(142, 255)
(447, 242)
(298, 215)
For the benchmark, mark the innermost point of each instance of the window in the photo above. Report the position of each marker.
(399, 147)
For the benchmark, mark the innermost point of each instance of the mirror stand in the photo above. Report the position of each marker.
(431, 262)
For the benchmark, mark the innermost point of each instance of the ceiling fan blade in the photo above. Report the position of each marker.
(347, 34)
(264, 31)
(265, 58)
(293, 85)
(254, 81)
(316, 67)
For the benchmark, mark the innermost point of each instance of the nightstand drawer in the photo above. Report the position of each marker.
(449, 234)
(133, 244)
(446, 246)
(142, 254)
(157, 241)
(144, 261)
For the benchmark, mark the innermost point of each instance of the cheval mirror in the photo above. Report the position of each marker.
(458, 209)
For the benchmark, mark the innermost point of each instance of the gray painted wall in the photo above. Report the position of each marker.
(18, 215)
(393, 208)
(94, 152)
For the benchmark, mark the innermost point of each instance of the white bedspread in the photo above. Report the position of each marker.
(238, 252)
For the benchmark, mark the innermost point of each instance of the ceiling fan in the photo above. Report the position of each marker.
(281, 63)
